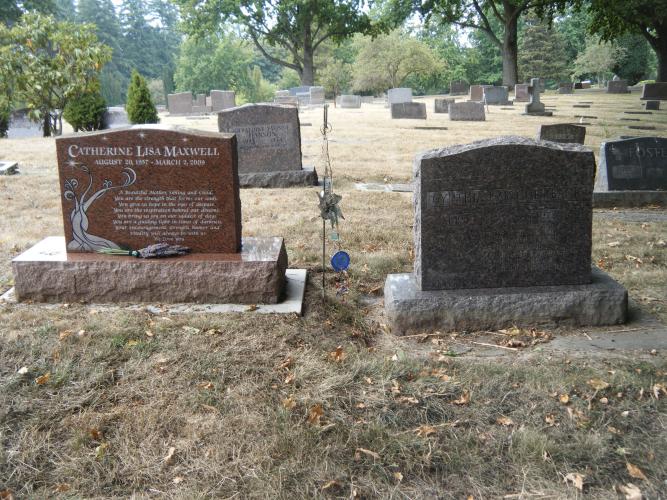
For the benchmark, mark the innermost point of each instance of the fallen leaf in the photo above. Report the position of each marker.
(425, 430)
(613, 430)
(6, 495)
(290, 378)
(315, 414)
(464, 399)
(338, 355)
(43, 379)
(659, 388)
(361, 406)
(331, 484)
(96, 434)
(205, 385)
(359, 451)
(169, 457)
(149, 333)
(368, 380)
(251, 308)
(101, 450)
(23, 370)
(630, 491)
(395, 387)
(564, 398)
(62, 488)
(287, 363)
(64, 334)
(408, 399)
(289, 403)
(132, 343)
(577, 480)
(635, 472)
(598, 384)
(177, 480)
(550, 419)
(506, 421)
(398, 476)
(613, 243)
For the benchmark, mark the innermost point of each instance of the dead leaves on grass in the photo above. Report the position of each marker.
(43, 379)
(635, 472)
(359, 451)
(630, 491)
(315, 414)
(338, 355)
(576, 480)
(464, 399)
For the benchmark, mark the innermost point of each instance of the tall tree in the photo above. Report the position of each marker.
(598, 59)
(299, 26)
(51, 62)
(497, 19)
(12, 10)
(542, 51)
(612, 18)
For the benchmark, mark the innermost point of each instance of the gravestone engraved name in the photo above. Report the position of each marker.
(133, 187)
(562, 132)
(633, 164)
(503, 212)
(268, 135)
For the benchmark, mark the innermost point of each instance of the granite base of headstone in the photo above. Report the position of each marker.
(9, 168)
(129, 188)
(441, 105)
(408, 110)
(469, 111)
(653, 105)
(654, 91)
(269, 145)
(632, 173)
(491, 219)
(562, 132)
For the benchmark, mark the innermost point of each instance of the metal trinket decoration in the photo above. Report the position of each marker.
(330, 211)
(156, 251)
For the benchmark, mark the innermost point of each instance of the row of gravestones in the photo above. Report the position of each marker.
(182, 103)
(502, 229)
(303, 96)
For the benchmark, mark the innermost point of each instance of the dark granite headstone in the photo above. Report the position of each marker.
(535, 107)
(578, 86)
(496, 96)
(477, 92)
(562, 132)
(617, 87)
(441, 105)
(633, 164)
(503, 212)
(653, 105)
(222, 99)
(521, 92)
(414, 110)
(565, 88)
(467, 111)
(268, 135)
(133, 187)
(654, 91)
(458, 87)
(180, 104)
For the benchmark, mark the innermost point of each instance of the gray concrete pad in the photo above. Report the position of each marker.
(387, 188)
(608, 199)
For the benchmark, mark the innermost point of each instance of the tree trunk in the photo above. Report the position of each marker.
(510, 51)
(46, 125)
(661, 53)
(308, 71)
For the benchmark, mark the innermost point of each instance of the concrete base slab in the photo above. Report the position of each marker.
(539, 113)
(387, 188)
(295, 289)
(602, 302)
(283, 179)
(47, 273)
(609, 199)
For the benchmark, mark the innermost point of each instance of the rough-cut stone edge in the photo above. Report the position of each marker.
(603, 302)
(281, 179)
(202, 278)
(628, 199)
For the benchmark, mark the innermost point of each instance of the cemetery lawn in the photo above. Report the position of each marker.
(113, 402)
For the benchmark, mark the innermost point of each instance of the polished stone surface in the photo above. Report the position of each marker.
(268, 136)
(508, 211)
(497, 96)
(47, 273)
(135, 186)
(654, 91)
(633, 164)
(408, 309)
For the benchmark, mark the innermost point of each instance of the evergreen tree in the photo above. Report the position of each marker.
(86, 112)
(139, 106)
(542, 52)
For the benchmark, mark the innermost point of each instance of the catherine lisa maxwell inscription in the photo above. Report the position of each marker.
(133, 187)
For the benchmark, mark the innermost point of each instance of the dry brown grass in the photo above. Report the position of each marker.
(214, 386)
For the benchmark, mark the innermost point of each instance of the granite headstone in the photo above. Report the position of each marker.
(617, 87)
(458, 87)
(441, 105)
(316, 96)
(180, 103)
(521, 92)
(467, 111)
(633, 164)
(399, 95)
(133, 187)
(562, 132)
(415, 110)
(349, 101)
(477, 92)
(654, 91)
(652, 105)
(496, 96)
(222, 99)
(115, 117)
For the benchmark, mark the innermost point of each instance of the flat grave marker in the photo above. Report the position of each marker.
(562, 132)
